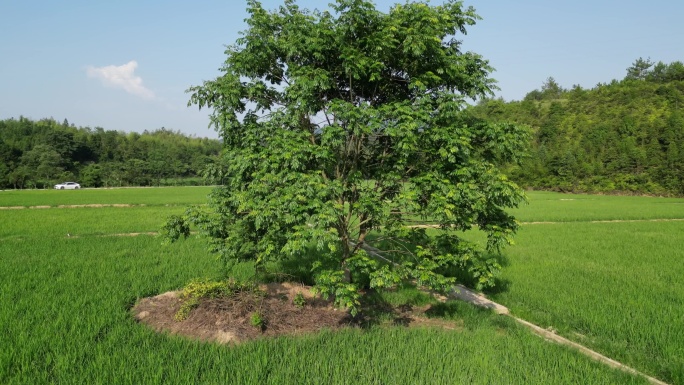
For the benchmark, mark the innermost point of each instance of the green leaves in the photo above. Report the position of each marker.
(341, 129)
(174, 228)
(332, 284)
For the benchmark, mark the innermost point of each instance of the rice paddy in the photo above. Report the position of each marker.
(613, 286)
(67, 284)
(153, 196)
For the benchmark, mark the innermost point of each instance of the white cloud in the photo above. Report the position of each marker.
(122, 76)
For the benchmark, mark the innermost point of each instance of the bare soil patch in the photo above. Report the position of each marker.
(229, 320)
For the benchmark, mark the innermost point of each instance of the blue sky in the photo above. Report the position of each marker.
(124, 65)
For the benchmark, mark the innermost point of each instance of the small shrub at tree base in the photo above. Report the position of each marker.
(198, 289)
(257, 320)
(341, 129)
(299, 300)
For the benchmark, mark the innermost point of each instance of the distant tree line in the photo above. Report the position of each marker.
(622, 136)
(37, 154)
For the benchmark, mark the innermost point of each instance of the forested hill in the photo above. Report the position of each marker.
(624, 136)
(37, 154)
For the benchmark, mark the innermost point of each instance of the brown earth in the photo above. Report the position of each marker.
(229, 320)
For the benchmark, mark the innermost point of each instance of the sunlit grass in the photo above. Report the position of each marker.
(83, 222)
(556, 207)
(616, 287)
(65, 318)
(134, 196)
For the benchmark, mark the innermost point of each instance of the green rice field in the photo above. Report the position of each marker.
(616, 287)
(555, 207)
(68, 280)
(153, 196)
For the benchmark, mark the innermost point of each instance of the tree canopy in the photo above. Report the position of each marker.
(343, 130)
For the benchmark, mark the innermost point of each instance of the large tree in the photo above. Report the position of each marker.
(343, 129)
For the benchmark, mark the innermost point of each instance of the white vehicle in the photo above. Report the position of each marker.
(68, 186)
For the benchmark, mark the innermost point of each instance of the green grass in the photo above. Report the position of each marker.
(65, 319)
(135, 196)
(83, 222)
(556, 207)
(616, 287)
(613, 286)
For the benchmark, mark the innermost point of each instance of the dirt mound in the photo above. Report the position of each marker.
(229, 320)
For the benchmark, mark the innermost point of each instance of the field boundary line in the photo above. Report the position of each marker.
(114, 235)
(93, 205)
(606, 221)
(151, 233)
(464, 294)
(434, 226)
(121, 235)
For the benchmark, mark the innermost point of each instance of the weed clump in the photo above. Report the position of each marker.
(299, 301)
(199, 289)
(257, 320)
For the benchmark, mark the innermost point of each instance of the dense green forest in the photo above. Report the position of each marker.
(626, 136)
(37, 154)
